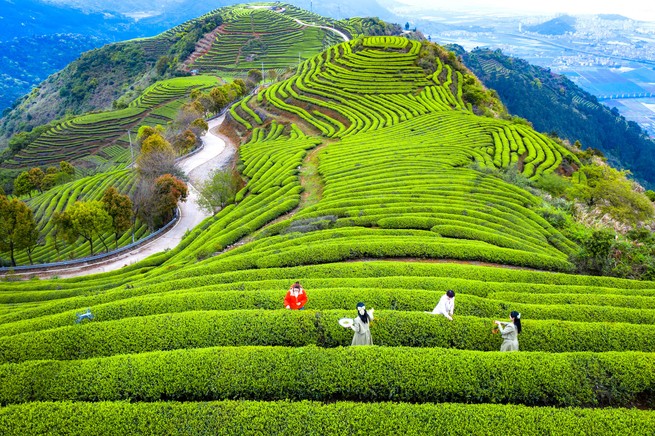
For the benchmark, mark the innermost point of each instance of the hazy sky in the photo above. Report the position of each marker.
(636, 9)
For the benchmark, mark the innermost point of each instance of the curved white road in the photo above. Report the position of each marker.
(215, 153)
(338, 32)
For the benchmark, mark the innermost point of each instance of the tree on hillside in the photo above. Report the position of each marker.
(254, 77)
(61, 230)
(219, 99)
(145, 132)
(49, 180)
(184, 142)
(18, 228)
(169, 190)
(184, 119)
(87, 220)
(23, 185)
(157, 157)
(36, 176)
(66, 168)
(218, 190)
(199, 126)
(203, 99)
(119, 208)
(155, 202)
(239, 86)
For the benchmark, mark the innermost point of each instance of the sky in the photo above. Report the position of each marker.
(643, 10)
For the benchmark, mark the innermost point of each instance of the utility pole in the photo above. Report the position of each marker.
(129, 135)
(263, 77)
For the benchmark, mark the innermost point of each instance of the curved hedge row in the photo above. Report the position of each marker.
(195, 329)
(286, 417)
(397, 374)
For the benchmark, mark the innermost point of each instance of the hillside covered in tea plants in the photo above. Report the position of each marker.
(555, 104)
(380, 171)
(230, 42)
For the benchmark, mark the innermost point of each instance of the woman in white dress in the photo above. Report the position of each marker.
(510, 331)
(446, 305)
(361, 326)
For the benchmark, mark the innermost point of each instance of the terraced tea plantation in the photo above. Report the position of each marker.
(375, 202)
(277, 37)
(58, 199)
(101, 139)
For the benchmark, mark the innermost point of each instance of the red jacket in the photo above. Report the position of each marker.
(294, 302)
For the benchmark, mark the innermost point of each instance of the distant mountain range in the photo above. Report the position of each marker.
(557, 26)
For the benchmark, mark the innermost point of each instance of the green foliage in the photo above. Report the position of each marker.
(297, 417)
(554, 184)
(610, 191)
(254, 77)
(204, 322)
(169, 191)
(23, 184)
(146, 131)
(560, 106)
(219, 190)
(88, 220)
(400, 374)
(594, 254)
(119, 208)
(17, 227)
(226, 327)
(157, 157)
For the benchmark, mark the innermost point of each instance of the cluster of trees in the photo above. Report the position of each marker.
(218, 98)
(39, 180)
(373, 26)
(92, 220)
(89, 220)
(159, 181)
(18, 228)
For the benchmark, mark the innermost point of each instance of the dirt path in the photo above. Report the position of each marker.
(216, 153)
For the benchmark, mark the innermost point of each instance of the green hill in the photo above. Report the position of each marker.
(553, 103)
(372, 175)
(226, 40)
(100, 140)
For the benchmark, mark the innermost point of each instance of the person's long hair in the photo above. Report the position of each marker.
(364, 317)
(517, 320)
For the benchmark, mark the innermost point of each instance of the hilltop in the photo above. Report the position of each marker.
(377, 170)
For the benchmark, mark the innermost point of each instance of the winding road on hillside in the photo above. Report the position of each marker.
(215, 153)
(340, 33)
